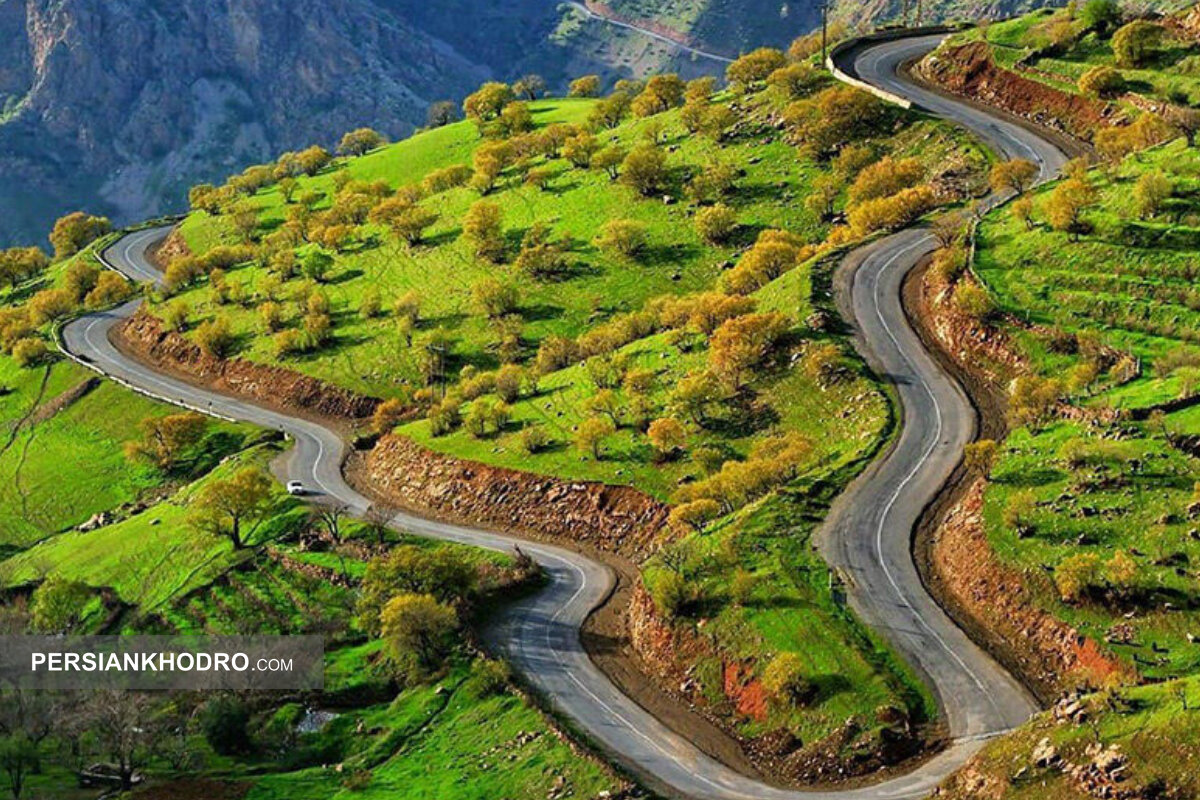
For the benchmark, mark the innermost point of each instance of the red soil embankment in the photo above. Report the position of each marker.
(969, 70)
(1051, 654)
(615, 519)
(990, 599)
(143, 337)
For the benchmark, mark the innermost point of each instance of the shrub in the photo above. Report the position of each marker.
(712, 183)
(482, 227)
(50, 305)
(645, 170)
(215, 337)
(1022, 211)
(695, 515)
(419, 632)
(541, 256)
(76, 231)
(289, 343)
(271, 314)
(755, 67)
(509, 381)
(225, 723)
(534, 439)
(1136, 43)
(29, 351)
(175, 315)
(444, 417)
(451, 177)
(56, 604)
(623, 237)
(360, 142)
(892, 212)
(1076, 574)
(592, 434)
(1016, 175)
(1152, 189)
(785, 681)
(884, 178)
(585, 86)
(555, 353)
(795, 80)
(667, 435)
(744, 342)
(1101, 81)
(823, 363)
(716, 224)
(493, 298)
(974, 301)
(388, 415)
(670, 594)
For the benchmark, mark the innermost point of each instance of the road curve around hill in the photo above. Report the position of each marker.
(868, 534)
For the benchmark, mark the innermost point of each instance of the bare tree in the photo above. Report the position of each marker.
(330, 518)
(123, 725)
(378, 519)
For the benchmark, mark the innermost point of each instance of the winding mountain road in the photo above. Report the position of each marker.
(867, 536)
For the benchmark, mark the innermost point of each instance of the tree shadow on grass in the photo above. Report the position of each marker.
(539, 312)
(439, 239)
(345, 276)
(559, 189)
(668, 255)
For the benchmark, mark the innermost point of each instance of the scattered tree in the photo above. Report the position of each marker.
(744, 342)
(360, 142)
(442, 113)
(625, 238)
(592, 434)
(1136, 43)
(76, 231)
(755, 67)
(1152, 189)
(1014, 175)
(667, 436)
(482, 227)
(419, 632)
(166, 439)
(1102, 81)
(645, 170)
(585, 86)
(531, 87)
(486, 103)
(234, 507)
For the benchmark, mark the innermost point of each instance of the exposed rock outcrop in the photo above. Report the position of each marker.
(614, 519)
(1051, 653)
(969, 70)
(143, 336)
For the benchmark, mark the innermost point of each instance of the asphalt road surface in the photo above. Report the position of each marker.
(868, 534)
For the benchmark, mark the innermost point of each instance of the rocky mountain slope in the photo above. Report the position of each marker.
(117, 106)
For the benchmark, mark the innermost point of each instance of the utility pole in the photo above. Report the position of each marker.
(824, 28)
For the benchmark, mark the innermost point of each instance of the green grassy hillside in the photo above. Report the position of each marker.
(1057, 47)
(638, 367)
(1112, 325)
(1136, 742)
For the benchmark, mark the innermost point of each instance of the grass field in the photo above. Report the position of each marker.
(1173, 74)
(1130, 282)
(1121, 303)
(370, 355)
(151, 557)
(843, 421)
(1151, 730)
(441, 740)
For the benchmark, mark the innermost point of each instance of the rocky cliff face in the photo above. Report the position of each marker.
(118, 106)
(121, 104)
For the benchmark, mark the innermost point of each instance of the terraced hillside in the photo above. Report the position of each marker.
(527, 294)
